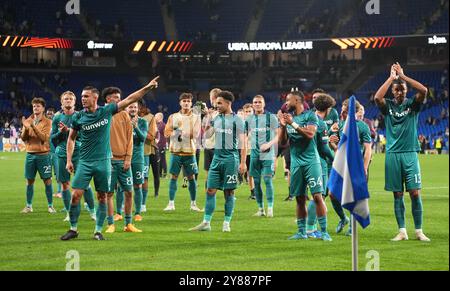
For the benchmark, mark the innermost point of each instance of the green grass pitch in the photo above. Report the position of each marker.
(31, 242)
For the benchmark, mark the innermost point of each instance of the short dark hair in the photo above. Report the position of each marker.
(323, 102)
(318, 90)
(38, 100)
(227, 95)
(399, 81)
(92, 89)
(298, 94)
(186, 96)
(51, 109)
(110, 90)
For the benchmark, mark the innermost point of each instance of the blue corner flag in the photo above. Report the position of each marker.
(347, 180)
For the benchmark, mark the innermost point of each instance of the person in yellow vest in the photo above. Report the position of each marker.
(438, 145)
(36, 135)
(182, 128)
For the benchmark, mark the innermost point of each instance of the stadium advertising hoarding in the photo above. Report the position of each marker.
(184, 46)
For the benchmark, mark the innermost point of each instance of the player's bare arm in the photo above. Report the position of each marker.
(70, 147)
(243, 147)
(308, 132)
(421, 89)
(381, 93)
(136, 96)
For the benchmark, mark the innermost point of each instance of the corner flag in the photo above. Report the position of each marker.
(347, 180)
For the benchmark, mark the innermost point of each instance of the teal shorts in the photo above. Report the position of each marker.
(63, 175)
(99, 170)
(306, 176)
(260, 168)
(223, 175)
(55, 165)
(38, 163)
(146, 166)
(121, 177)
(189, 163)
(402, 169)
(137, 170)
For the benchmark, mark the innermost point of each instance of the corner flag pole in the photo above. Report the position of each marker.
(354, 244)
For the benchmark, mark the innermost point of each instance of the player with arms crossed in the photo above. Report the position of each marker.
(402, 162)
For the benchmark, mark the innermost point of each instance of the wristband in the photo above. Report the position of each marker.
(295, 125)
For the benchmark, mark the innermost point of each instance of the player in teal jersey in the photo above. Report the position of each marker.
(330, 116)
(223, 173)
(365, 142)
(53, 154)
(61, 124)
(305, 162)
(140, 128)
(262, 130)
(93, 126)
(402, 162)
(322, 103)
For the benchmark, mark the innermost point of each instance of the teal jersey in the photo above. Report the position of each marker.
(261, 129)
(401, 125)
(325, 153)
(139, 136)
(363, 132)
(60, 138)
(93, 131)
(331, 118)
(303, 150)
(227, 130)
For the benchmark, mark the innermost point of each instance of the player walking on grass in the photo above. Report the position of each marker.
(402, 162)
(305, 162)
(61, 125)
(36, 136)
(262, 128)
(223, 173)
(183, 128)
(121, 140)
(93, 126)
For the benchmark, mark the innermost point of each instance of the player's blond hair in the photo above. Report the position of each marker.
(215, 92)
(67, 93)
